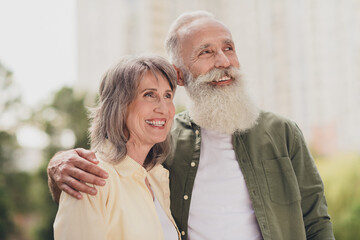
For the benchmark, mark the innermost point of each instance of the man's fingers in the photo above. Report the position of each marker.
(87, 154)
(86, 177)
(71, 170)
(80, 186)
(70, 191)
(91, 168)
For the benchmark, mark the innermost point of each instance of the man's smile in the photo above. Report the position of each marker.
(225, 80)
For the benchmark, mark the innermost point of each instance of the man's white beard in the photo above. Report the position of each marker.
(224, 109)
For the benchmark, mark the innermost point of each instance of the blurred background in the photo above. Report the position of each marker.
(301, 59)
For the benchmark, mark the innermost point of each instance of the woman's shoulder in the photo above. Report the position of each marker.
(159, 169)
(112, 169)
(107, 166)
(159, 174)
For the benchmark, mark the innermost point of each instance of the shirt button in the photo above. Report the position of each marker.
(193, 164)
(183, 233)
(186, 197)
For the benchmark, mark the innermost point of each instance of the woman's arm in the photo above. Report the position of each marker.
(85, 219)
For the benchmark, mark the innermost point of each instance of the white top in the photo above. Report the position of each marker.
(168, 227)
(220, 206)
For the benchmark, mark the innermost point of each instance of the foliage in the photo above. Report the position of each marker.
(342, 180)
(8, 147)
(25, 201)
(8, 90)
(180, 108)
(66, 112)
(6, 222)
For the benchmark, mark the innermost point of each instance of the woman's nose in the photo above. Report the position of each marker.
(160, 106)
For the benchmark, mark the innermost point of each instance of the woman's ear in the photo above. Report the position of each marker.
(126, 133)
(180, 76)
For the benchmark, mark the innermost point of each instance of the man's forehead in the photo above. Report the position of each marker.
(203, 25)
(225, 41)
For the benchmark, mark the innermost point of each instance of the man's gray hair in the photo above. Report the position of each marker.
(172, 45)
(117, 90)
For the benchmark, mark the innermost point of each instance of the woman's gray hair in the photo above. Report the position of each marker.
(117, 90)
(172, 45)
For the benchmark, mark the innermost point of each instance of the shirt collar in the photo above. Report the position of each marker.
(129, 166)
(126, 166)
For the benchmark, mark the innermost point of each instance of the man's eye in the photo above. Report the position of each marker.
(204, 52)
(228, 48)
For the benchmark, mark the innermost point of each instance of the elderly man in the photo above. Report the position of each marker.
(236, 172)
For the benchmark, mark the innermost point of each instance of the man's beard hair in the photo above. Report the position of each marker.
(224, 109)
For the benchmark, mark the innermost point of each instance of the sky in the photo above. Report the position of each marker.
(38, 44)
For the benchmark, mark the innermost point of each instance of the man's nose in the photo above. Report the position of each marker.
(221, 60)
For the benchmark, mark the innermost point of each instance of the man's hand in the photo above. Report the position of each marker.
(69, 171)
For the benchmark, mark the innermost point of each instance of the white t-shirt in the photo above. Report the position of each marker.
(220, 206)
(168, 227)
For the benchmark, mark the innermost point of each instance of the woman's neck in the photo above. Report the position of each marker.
(137, 152)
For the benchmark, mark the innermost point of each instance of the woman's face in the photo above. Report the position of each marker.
(150, 115)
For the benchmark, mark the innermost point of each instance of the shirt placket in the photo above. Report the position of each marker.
(192, 169)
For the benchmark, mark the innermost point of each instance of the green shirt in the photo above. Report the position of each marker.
(284, 185)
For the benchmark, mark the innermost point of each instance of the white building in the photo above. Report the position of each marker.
(301, 58)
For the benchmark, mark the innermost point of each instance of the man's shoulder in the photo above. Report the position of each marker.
(269, 121)
(182, 121)
(182, 117)
(273, 128)
(266, 120)
(271, 118)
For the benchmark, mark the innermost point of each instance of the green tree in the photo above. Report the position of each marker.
(66, 114)
(8, 144)
(7, 226)
(341, 178)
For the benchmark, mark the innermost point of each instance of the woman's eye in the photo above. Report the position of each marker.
(149, 94)
(168, 95)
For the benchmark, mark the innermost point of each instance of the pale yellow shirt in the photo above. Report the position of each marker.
(122, 209)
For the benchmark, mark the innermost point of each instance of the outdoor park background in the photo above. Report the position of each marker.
(300, 58)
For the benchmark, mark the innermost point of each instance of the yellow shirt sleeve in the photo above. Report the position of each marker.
(81, 219)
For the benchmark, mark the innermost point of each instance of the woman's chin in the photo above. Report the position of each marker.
(159, 140)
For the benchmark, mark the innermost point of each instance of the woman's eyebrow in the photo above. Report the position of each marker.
(147, 89)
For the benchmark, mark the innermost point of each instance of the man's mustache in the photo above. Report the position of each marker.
(215, 74)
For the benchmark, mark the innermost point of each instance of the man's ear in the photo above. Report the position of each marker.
(180, 76)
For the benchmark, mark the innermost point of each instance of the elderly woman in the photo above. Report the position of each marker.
(130, 134)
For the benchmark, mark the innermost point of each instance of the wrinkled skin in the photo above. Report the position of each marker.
(66, 168)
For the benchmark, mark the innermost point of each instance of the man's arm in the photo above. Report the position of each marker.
(70, 170)
(316, 218)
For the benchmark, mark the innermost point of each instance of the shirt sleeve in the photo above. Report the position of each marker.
(81, 219)
(313, 202)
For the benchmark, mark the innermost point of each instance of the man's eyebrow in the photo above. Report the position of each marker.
(206, 45)
(229, 41)
(202, 47)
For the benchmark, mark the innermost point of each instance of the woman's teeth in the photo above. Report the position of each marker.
(155, 123)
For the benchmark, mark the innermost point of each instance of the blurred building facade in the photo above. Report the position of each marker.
(301, 58)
